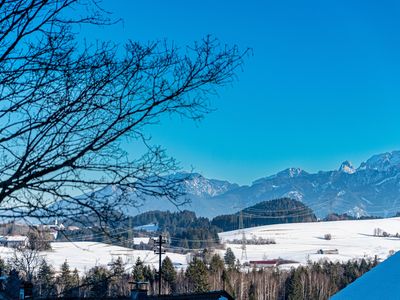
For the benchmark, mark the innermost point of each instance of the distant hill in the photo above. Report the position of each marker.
(277, 211)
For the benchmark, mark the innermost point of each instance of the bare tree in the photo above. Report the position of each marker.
(66, 107)
(26, 261)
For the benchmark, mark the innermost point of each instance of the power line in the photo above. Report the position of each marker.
(244, 240)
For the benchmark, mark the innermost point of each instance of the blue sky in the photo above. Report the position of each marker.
(322, 86)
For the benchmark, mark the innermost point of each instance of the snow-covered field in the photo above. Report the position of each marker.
(85, 255)
(297, 241)
(301, 241)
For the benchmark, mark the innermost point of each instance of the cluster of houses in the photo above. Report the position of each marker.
(21, 241)
(52, 228)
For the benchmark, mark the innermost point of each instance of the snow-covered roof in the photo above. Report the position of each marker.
(14, 238)
(147, 227)
(381, 282)
(138, 240)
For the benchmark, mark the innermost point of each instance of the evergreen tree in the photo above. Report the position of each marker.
(349, 273)
(75, 283)
(117, 268)
(216, 264)
(229, 258)
(117, 271)
(375, 262)
(363, 266)
(197, 276)
(294, 286)
(45, 280)
(138, 270)
(169, 274)
(98, 279)
(149, 274)
(65, 280)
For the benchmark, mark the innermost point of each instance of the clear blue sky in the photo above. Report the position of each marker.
(323, 85)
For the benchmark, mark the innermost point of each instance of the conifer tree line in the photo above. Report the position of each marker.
(205, 272)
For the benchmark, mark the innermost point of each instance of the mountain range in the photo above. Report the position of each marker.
(371, 189)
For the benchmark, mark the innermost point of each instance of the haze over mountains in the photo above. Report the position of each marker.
(371, 189)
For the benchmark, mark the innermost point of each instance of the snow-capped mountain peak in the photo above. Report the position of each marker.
(198, 185)
(291, 172)
(347, 167)
(371, 189)
(382, 162)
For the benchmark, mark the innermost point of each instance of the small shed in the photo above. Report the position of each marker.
(328, 251)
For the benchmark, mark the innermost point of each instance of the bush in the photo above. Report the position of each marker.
(39, 240)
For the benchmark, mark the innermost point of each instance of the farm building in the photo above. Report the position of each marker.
(271, 263)
(264, 263)
(14, 241)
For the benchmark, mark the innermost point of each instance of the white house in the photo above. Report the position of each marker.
(14, 241)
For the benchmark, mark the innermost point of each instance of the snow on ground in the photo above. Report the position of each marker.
(296, 241)
(301, 241)
(85, 255)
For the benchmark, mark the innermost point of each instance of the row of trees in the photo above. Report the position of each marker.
(205, 272)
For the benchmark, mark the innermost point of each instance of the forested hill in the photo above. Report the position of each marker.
(184, 228)
(284, 210)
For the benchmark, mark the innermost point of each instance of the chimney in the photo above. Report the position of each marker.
(139, 290)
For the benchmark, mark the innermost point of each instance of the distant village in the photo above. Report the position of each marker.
(15, 235)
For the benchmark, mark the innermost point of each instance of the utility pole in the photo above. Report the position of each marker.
(130, 242)
(244, 239)
(158, 249)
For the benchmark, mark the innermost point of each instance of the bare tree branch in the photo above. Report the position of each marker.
(66, 108)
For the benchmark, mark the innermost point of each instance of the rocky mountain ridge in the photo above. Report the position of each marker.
(371, 189)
